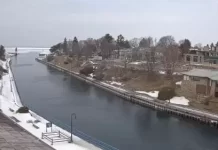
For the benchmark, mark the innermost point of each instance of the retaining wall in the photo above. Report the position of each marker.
(148, 101)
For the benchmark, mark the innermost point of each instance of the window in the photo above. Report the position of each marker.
(187, 58)
(195, 58)
(186, 77)
(200, 58)
(216, 83)
(195, 78)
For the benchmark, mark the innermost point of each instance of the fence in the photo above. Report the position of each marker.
(81, 135)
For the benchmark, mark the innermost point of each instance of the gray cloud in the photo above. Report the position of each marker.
(42, 23)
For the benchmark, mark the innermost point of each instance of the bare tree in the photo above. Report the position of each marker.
(170, 59)
(198, 45)
(171, 52)
(106, 48)
(165, 41)
(150, 60)
(76, 48)
(135, 54)
(146, 42)
(89, 48)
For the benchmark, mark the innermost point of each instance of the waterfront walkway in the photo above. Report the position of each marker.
(13, 137)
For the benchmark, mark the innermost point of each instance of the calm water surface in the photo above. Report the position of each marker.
(126, 126)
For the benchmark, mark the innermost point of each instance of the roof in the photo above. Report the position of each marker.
(206, 73)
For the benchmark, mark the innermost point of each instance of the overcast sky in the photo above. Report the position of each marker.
(42, 23)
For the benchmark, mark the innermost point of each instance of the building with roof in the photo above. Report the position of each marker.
(204, 55)
(200, 82)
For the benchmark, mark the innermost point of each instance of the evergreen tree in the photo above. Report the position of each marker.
(2, 51)
(109, 38)
(65, 46)
(184, 46)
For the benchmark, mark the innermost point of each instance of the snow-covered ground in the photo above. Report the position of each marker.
(117, 88)
(179, 83)
(179, 100)
(175, 73)
(10, 99)
(175, 100)
(152, 94)
(116, 83)
(135, 63)
(162, 72)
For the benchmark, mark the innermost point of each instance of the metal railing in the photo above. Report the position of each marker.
(84, 136)
(54, 137)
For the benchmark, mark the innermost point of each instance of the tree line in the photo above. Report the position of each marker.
(106, 44)
(171, 51)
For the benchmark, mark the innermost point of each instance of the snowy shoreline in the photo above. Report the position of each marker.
(10, 100)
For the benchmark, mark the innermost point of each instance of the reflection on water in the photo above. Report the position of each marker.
(55, 95)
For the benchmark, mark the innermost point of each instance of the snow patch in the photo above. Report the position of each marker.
(152, 94)
(134, 63)
(114, 87)
(179, 83)
(177, 73)
(162, 72)
(116, 83)
(179, 100)
(91, 75)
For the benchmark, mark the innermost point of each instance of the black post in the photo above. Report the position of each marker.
(71, 127)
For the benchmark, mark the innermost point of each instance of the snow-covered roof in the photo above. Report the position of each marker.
(206, 73)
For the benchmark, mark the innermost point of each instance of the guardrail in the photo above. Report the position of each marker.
(55, 137)
(82, 135)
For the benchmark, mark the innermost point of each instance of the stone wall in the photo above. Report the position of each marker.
(188, 87)
(213, 89)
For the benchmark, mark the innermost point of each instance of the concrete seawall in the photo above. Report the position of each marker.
(147, 101)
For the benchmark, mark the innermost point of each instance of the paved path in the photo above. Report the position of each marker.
(13, 137)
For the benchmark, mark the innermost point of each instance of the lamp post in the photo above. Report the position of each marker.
(71, 127)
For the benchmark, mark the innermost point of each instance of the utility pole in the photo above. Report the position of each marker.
(71, 127)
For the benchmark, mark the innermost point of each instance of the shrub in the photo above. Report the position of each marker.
(87, 70)
(166, 93)
(49, 58)
(65, 62)
(3, 58)
(23, 109)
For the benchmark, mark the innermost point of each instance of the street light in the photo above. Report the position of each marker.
(71, 129)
